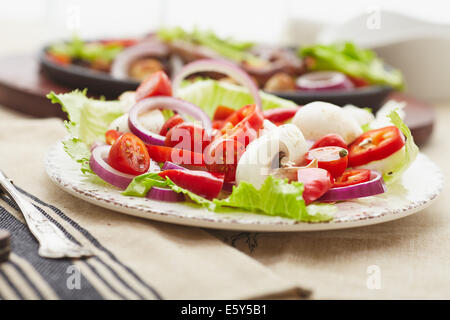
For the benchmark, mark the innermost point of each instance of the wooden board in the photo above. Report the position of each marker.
(23, 87)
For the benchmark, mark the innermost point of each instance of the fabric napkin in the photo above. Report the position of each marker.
(134, 258)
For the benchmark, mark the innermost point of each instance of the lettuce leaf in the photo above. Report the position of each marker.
(88, 121)
(354, 61)
(275, 198)
(208, 94)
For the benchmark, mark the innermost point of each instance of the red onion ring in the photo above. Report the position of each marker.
(364, 189)
(323, 80)
(160, 102)
(123, 60)
(219, 66)
(122, 180)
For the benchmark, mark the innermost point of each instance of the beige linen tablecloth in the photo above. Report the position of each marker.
(403, 259)
(407, 258)
(135, 258)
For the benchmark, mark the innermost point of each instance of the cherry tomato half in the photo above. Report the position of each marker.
(170, 123)
(203, 183)
(243, 124)
(222, 113)
(175, 155)
(351, 177)
(129, 155)
(315, 181)
(222, 156)
(375, 145)
(156, 84)
(332, 159)
(111, 136)
(188, 136)
(330, 140)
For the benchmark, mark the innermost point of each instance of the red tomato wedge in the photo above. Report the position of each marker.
(203, 183)
(188, 136)
(375, 145)
(222, 156)
(243, 124)
(316, 183)
(175, 155)
(111, 136)
(222, 113)
(170, 123)
(351, 177)
(330, 140)
(332, 159)
(129, 155)
(156, 84)
(280, 115)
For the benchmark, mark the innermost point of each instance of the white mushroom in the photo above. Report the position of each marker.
(317, 119)
(284, 145)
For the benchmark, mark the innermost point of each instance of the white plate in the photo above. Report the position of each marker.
(421, 184)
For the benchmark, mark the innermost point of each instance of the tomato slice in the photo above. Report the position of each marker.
(280, 115)
(129, 155)
(315, 181)
(222, 156)
(332, 159)
(59, 58)
(156, 84)
(351, 177)
(188, 136)
(217, 124)
(359, 82)
(243, 124)
(222, 113)
(175, 155)
(330, 140)
(111, 136)
(203, 183)
(375, 145)
(170, 123)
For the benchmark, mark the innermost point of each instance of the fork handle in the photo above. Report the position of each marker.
(53, 242)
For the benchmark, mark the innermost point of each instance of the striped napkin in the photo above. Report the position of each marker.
(134, 258)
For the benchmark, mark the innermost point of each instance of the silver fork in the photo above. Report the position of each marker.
(53, 243)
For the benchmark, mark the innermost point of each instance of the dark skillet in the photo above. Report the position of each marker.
(80, 77)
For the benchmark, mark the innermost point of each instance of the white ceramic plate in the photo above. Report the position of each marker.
(421, 184)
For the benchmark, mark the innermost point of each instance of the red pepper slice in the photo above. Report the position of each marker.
(175, 155)
(280, 115)
(203, 183)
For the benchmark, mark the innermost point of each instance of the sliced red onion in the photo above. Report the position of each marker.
(364, 189)
(170, 165)
(96, 144)
(167, 195)
(123, 60)
(105, 171)
(324, 80)
(160, 102)
(219, 66)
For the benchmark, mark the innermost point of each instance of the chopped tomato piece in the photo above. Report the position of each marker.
(188, 136)
(156, 84)
(222, 156)
(330, 140)
(332, 159)
(129, 155)
(217, 124)
(170, 123)
(280, 115)
(243, 125)
(203, 183)
(111, 136)
(351, 177)
(59, 58)
(222, 113)
(374, 145)
(175, 155)
(316, 183)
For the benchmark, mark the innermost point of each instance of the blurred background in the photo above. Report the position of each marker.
(412, 35)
